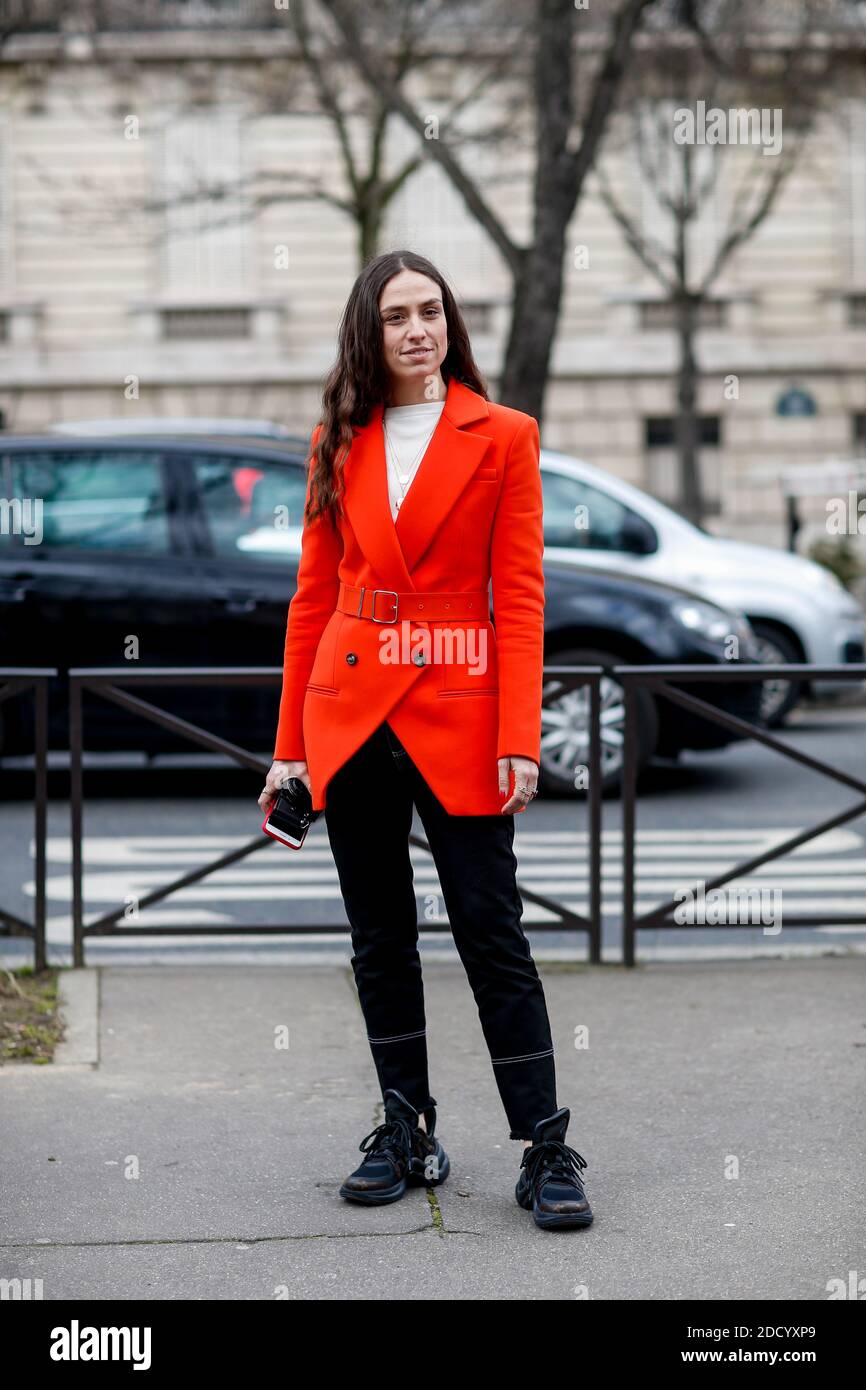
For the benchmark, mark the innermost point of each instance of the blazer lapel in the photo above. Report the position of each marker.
(394, 549)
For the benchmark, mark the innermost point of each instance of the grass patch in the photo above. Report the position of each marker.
(30, 1023)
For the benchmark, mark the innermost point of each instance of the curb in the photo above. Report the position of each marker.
(78, 992)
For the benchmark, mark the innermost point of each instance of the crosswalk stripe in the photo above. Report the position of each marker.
(827, 875)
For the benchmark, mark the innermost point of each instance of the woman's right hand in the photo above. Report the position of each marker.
(279, 773)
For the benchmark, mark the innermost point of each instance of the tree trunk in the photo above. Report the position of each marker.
(534, 319)
(691, 502)
(369, 230)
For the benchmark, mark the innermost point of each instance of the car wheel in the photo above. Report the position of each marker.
(565, 725)
(778, 698)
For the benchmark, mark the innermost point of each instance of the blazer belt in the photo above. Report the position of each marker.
(387, 606)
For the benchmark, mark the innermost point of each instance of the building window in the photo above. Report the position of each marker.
(857, 310)
(478, 314)
(659, 431)
(204, 13)
(661, 313)
(206, 238)
(858, 421)
(662, 465)
(206, 323)
(428, 210)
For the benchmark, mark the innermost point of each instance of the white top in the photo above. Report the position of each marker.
(410, 428)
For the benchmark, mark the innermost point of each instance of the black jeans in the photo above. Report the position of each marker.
(369, 819)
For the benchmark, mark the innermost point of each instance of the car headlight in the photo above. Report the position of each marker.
(714, 623)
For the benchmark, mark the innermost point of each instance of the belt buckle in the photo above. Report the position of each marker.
(393, 617)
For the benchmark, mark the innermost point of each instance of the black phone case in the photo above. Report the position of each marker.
(292, 814)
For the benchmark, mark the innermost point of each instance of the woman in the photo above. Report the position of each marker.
(398, 691)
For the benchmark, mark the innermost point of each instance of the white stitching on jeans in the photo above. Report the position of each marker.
(527, 1056)
(400, 1037)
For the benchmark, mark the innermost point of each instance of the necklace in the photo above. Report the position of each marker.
(402, 474)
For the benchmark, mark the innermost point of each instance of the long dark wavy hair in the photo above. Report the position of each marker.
(359, 379)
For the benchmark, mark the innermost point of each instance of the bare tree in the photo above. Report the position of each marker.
(371, 179)
(721, 65)
(562, 161)
(387, 42)
(403, 42)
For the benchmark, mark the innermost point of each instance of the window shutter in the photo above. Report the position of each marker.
(205, 249)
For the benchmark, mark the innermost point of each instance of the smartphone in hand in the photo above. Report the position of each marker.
(291, 814)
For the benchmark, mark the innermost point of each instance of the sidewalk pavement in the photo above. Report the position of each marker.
(719, 1107)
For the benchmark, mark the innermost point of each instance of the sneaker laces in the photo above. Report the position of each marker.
(392, 1137)
(553, 1158)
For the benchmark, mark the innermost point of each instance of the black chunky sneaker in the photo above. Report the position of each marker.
(399, 1155)
(550, 1185)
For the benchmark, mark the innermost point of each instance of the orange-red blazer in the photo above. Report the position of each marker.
(472, 513)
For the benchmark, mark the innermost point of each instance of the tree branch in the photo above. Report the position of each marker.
(378, 78)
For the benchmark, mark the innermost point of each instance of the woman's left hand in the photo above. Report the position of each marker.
(525, 783)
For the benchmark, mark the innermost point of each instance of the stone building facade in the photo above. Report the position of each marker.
(128, 288)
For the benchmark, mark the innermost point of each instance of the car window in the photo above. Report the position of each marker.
(18, 518)
(253, 507)
(96, 500)
(581, 517)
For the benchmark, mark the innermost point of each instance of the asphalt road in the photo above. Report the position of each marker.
(147, 825)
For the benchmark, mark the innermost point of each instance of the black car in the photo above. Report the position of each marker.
(604, 618)
(182, 551)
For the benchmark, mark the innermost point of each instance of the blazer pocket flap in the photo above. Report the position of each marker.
(486, 473)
